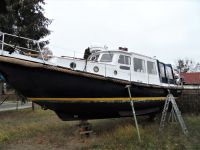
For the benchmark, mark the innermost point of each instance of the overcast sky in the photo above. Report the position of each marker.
(166, 29)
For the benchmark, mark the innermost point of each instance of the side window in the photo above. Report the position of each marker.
(162, 70)
(121, 59)
(127, 60)
(124, 60)
(169, 72)
(139, 65)
(151, 68)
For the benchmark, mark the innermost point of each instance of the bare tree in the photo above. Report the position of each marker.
(184, 65)
(196, 68)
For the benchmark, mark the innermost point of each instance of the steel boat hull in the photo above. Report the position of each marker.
(75, 95)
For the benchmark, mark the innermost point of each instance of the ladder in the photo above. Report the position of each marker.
(174, 115)
(133, 111)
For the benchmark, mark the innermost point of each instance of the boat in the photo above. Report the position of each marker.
(93, 87)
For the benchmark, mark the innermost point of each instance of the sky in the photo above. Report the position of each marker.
(169, 30)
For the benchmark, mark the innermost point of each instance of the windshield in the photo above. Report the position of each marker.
(106, 58)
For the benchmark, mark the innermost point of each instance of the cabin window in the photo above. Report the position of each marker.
(94, 57)
(169, 72)
(124, 60)
(151, 68)
(139, 65)
(106, 58)
(162, 70)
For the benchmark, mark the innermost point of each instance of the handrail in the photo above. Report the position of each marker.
(18, 36)
(2, 42)
(13, 46)
(21, 49)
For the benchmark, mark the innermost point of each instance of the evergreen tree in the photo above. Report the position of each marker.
(25, 18)
(2, 7)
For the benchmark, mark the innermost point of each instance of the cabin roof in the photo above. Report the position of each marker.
(125, 52)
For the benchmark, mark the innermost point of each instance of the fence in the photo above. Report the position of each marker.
(189, 102)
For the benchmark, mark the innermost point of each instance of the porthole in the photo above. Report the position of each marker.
(96, 69)
(72, 65)
(115, 72)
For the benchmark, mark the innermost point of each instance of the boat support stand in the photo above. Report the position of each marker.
(133, 111)
(175, 114)
(85, 128)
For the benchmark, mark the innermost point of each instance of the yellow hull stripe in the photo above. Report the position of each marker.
(98, 99)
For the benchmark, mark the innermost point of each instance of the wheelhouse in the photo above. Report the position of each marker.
(130, 66)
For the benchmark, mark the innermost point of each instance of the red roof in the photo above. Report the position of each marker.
(191, 78)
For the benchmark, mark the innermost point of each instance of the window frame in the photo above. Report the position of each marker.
(154, 70)
(162, 71)
(125, 61)
(169, 73)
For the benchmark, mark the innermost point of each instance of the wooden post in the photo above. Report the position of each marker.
(1, 88)
(33, 107)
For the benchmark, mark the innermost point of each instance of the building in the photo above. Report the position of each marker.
(191, 78)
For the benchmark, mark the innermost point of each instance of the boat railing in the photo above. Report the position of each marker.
(16, 44)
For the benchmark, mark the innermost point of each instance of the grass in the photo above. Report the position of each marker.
(124, 136)
(16, 127)
(41, 129)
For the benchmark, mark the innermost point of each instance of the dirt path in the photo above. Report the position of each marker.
(5, 106)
